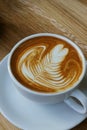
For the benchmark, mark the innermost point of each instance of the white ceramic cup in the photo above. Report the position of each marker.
(73, 97)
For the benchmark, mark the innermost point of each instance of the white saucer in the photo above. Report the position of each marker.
(28, 115)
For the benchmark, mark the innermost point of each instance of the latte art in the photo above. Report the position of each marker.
(48, 67)
(45, 71)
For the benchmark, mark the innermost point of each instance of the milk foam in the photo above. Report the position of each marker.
(46, 70)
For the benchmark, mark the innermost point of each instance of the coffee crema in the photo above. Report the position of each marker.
(46, 64)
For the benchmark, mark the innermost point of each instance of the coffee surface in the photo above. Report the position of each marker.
(46, 64)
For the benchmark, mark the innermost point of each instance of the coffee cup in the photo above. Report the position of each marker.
(48, 68)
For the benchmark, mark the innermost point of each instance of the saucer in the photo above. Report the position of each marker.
(29, 115)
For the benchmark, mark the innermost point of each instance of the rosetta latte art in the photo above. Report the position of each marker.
(47, 70)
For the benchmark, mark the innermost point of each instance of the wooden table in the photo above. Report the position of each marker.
(21, 18)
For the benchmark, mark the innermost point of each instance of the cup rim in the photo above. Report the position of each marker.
(52, 35)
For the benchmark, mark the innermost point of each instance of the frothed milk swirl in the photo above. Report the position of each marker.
(46, 64)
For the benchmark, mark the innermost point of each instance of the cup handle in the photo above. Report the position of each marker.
(77, 101)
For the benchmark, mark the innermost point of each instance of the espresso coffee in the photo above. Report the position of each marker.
(46, 64)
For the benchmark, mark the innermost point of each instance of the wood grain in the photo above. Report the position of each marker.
(21, 18)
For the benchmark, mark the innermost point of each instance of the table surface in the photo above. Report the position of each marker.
(20, 18)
